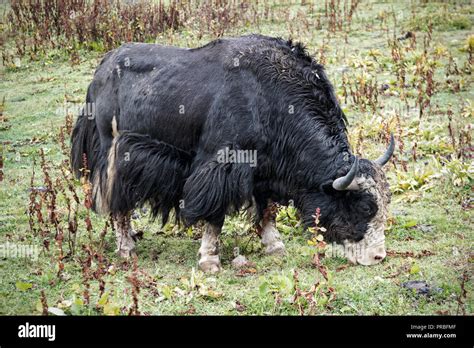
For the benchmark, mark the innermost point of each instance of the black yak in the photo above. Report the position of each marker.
(239, 122)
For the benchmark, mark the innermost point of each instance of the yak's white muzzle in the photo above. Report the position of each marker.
(367, 252)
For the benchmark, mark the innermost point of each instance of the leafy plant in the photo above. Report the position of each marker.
(420, 178)
(459, 173)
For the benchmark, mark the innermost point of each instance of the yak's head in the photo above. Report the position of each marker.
(354, 209)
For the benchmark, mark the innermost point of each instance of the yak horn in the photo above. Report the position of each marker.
(382, 160)
(344, 182)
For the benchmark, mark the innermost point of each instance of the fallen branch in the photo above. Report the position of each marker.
(461, 299)
(423, 253)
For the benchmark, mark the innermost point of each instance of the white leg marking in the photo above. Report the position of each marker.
(124, 233)
(209, 251)
(271, 238)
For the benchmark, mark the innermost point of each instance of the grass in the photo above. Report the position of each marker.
(433, 214)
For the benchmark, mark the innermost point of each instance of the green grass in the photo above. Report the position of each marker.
(432, 215)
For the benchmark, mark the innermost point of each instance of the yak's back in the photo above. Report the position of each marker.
(143, 57)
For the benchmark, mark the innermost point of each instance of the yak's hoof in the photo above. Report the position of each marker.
(126, 253)
(210, 264)
(277, 248)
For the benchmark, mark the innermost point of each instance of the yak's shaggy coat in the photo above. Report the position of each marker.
(163, 113)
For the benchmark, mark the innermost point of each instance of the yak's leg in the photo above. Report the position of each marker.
(271, 238)
(125, 235)
(209, 251)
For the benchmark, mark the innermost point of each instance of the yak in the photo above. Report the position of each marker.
(240, 122)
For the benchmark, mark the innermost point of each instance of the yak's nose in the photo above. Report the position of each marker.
(380, 254)
(369, 256)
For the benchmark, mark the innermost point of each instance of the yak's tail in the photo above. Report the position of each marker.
(86, 151)
(85, 142)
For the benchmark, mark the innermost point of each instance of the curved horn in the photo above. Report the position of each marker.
(382, 160)
(344, 182)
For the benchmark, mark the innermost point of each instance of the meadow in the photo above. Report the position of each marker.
(397, 66)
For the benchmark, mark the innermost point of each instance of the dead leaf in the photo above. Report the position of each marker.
(239, 307)
(423, 253)
(246, 272)
(56, 311)
(190, 311)
(343, 267)
(316, 262)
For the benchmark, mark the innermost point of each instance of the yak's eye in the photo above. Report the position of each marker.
(366, 209)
